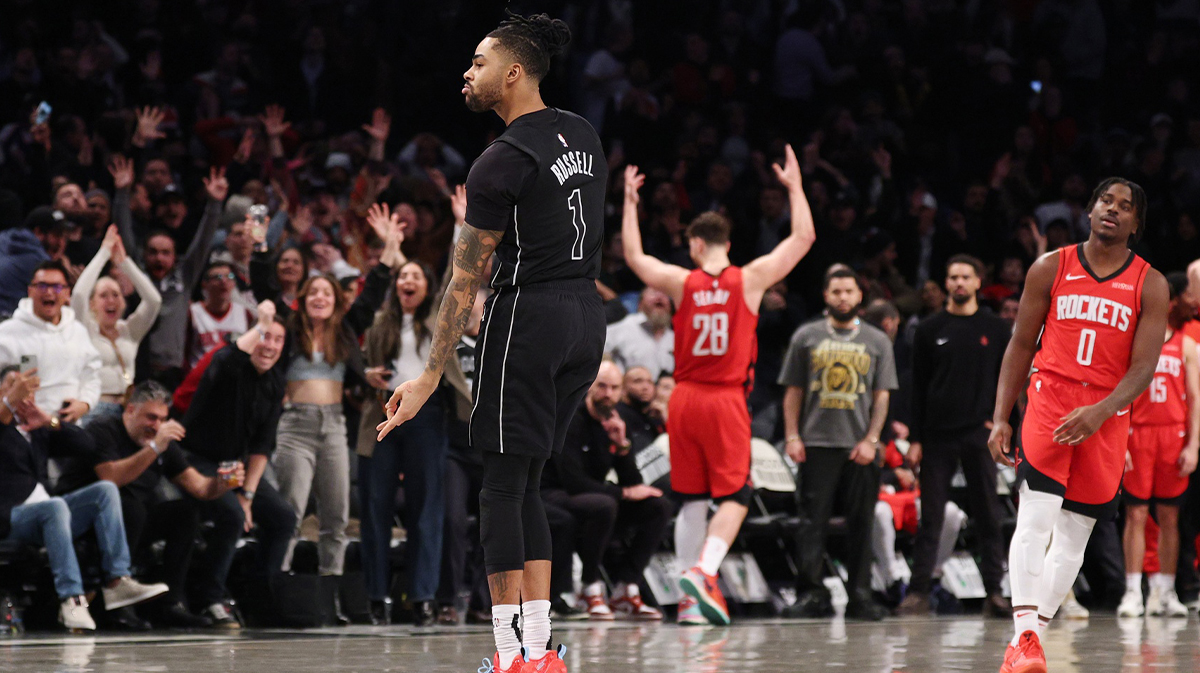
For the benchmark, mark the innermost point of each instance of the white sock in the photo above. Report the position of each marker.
(627, 591)
(1133, 583)
(690, 528)
(1024, 620)
(714, 552)
(594, 589)
(537, 628)
(507, 631)
(1041, 629)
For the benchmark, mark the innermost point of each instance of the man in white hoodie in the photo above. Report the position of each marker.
(44, 327)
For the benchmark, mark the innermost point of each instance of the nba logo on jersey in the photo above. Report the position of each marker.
(562, 140)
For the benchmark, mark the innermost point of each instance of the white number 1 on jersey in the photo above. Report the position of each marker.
(575, 203)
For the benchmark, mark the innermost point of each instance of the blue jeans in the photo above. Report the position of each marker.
(418, 450)
(101, 410)
(55, 523)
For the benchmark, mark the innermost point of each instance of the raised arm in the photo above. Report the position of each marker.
(774, 266)
(81, 295)
(471, 255)
(1147, 346)
(1035, 303)
(192, 264)
(143, 317)
(653, 272)
(122, 173)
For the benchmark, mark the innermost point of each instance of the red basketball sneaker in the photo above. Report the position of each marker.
(493, 666)
(704, 589)
(1027, 656)
(551, 662)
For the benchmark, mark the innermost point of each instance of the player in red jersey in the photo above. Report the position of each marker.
(715, 349)
(1101, 312)
(1163, 443)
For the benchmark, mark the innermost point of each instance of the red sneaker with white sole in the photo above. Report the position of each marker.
(551, 662)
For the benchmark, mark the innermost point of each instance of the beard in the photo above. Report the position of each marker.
(961, 299)
(483, 97)
(659, 320)
(842, 316)
(603, 407)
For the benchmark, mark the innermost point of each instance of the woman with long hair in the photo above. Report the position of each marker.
(396, 346)
(99, 304)
(321, 355)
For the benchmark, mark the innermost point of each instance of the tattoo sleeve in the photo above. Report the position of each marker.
(471, 254)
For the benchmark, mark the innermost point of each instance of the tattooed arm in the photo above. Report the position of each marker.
(471, 255)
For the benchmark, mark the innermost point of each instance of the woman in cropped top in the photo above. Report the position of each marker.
(396, 348)
(321, 355)
(99, 304)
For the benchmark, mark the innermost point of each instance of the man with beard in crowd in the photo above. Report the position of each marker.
(839, 372)
(644, 339)
(956, 364)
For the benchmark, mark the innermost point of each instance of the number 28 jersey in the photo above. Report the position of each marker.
(716, 341)
(1088, 334)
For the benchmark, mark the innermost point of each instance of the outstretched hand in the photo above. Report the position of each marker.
(458, 204)
(633, 182)
(216, 185)
(404, 404)
(789, 172)
(121, 170)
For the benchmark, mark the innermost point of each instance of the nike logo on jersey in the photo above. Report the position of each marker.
(943, 341)
(1122, 413)
(1079, 277)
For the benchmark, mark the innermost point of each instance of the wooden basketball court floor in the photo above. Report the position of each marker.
(967, 643)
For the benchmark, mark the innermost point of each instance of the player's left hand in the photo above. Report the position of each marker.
(1080, 424)
(1187, 461)
(405, 402)
(863, 453)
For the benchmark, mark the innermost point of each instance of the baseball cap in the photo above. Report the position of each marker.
(339, 160)
(46, 219)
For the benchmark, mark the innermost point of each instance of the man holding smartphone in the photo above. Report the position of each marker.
(45, 332)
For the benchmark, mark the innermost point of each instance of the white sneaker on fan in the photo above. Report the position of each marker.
(1131, 605)
(1170, 606)
(73, 614)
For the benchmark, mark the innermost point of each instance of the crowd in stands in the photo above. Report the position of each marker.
(221, 249)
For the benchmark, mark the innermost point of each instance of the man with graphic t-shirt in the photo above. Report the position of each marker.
(839, 372)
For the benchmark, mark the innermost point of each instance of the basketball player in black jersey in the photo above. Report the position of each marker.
(535, 198)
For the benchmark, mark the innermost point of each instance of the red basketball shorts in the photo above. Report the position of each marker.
(1155, 474)
(709, 428)
(1087, 475)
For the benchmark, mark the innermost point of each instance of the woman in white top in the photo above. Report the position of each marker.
(99, 304)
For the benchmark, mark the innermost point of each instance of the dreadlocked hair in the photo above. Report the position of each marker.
(532, 40)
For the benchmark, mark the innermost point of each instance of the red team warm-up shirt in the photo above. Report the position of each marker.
(715, 333)
(1088, 334)
(1165, 401)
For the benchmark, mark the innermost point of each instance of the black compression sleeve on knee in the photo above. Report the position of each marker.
(538, 545)
(505, 478)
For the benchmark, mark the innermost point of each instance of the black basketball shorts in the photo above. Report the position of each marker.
(538, 353)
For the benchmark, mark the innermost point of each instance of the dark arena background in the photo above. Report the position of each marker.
(199, 197)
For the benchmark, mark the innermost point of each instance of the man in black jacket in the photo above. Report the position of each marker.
(575, 480)
(233, 417)
(956, 363)
(29, 514)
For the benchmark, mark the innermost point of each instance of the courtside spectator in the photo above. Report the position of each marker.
(644, 339)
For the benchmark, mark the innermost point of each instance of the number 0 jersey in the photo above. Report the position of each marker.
(1165, 401)
(716, 341)
(1088, 334)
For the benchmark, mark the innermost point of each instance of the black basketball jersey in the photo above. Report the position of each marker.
(543, 182)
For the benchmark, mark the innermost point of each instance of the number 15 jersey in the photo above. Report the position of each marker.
(716, 341)
(1088, 334)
